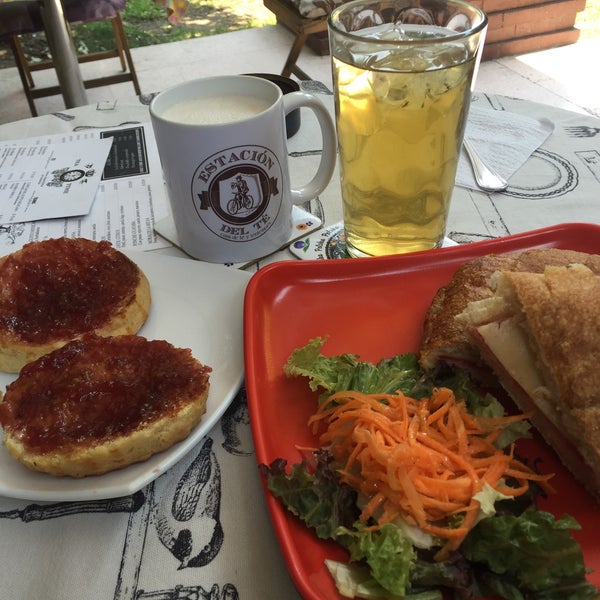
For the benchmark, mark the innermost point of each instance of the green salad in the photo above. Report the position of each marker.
(512, 550)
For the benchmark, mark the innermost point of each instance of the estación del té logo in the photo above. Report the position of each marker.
(232, 192)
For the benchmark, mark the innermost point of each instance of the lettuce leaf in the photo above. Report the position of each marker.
(345, 372)
(532, 555)
(314, 494)
(355, 581)
(387, 551)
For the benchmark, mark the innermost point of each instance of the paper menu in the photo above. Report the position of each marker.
(504, 140)
(129, 198)
(43, 181)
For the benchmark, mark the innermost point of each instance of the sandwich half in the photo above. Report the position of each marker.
(445, 340)
(540, 333)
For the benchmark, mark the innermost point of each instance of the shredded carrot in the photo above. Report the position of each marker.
(421, 460)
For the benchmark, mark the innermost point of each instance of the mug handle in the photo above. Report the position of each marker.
(328, 155)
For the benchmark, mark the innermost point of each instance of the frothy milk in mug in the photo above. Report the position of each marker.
(213, 110)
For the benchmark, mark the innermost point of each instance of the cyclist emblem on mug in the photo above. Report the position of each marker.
(237, 192)
(242, 198)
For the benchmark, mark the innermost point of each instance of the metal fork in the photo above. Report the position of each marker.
(487, 179)
(582, 131)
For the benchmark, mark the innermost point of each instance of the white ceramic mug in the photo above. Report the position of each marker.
(222, 145)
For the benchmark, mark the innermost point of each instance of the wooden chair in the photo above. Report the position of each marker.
(22, 17)
(288, 15)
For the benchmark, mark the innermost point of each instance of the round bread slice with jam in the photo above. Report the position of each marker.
(56, 290)
(101, 403)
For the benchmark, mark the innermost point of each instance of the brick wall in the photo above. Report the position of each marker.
(519, 26)
(515, 26)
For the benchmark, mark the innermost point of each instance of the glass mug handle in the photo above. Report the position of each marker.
(328, 154)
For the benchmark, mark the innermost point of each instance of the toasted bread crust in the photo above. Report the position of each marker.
(564, 322)
(445, 339)
(584, 431)
(114, 454)
(558, 313)
(57, 290)
(102, 403)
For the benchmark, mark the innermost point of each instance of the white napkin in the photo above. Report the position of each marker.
(504, 140)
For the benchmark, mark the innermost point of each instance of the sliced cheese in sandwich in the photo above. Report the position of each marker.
(540, 333)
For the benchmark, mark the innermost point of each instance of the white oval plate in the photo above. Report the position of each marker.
(194, 305)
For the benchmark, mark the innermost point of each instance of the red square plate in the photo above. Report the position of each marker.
(372, 307)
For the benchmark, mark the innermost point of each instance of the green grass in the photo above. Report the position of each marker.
(146, 24)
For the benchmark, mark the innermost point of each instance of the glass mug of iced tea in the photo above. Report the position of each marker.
(403, 72)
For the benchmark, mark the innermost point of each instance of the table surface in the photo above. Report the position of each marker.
(559, 183)
(113, 549)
